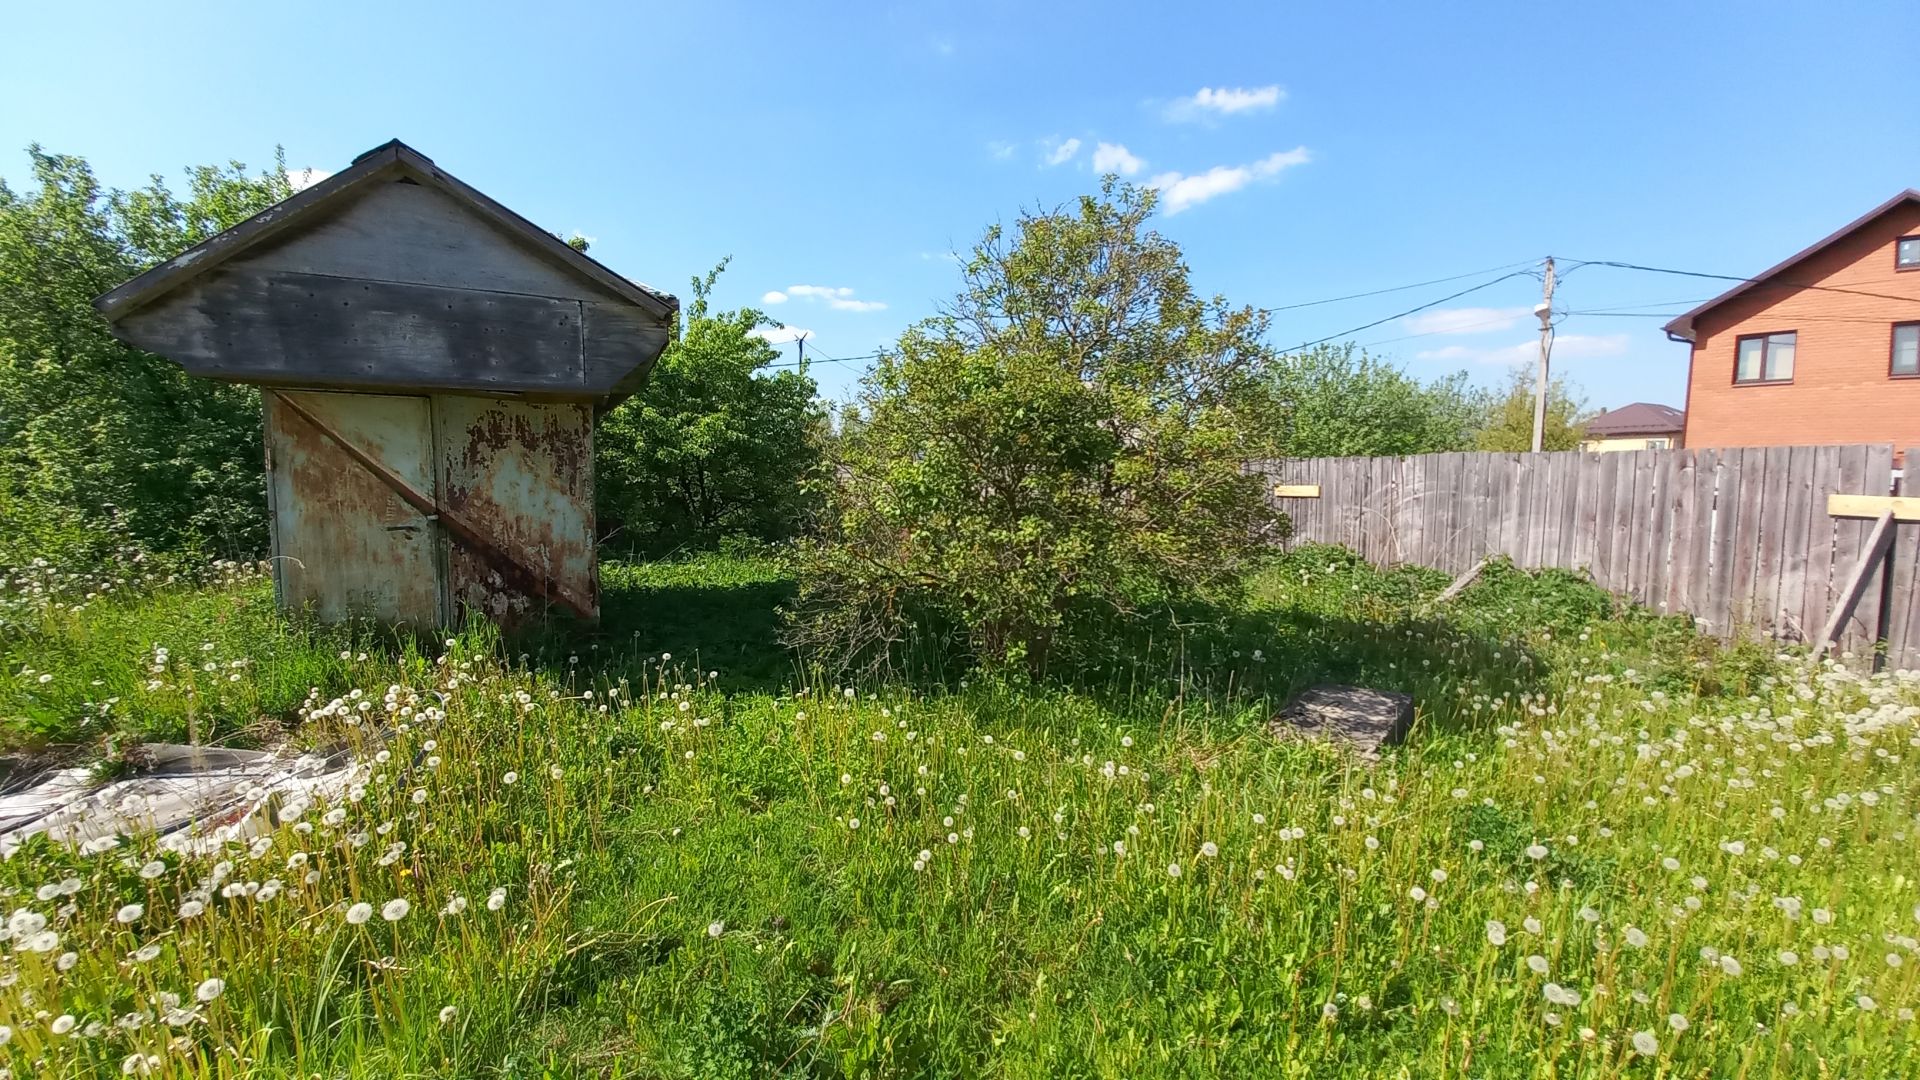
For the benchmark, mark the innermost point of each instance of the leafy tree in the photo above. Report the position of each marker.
(95, 433)
(1334, 400)
(1509, 419)
(717, 445)
(1063, 441)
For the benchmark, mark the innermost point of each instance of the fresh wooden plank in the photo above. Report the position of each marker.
(1296, 491)
(1847, 505)
(1863, 570)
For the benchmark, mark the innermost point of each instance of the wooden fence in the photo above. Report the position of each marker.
(1741, 539)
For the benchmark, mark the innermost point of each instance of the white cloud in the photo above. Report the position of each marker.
(1001, 150)
(1464, 320)
(1061, 153)
(839, 298)
(1211, 103)
(1179, 191)
(780, 335)
(1565, 347)
(1114, 158)
(302, 179)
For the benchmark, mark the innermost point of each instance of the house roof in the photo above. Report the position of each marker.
(1639, 418)
(389, 159)
(1682, 327)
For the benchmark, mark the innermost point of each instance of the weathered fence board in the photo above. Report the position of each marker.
(1739, 538)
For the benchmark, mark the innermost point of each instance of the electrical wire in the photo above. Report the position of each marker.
(1409, 311)
(1775, 282)
(1396, 288)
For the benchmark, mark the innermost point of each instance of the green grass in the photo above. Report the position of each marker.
(688, 894)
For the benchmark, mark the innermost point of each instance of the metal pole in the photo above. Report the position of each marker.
(1545, 311)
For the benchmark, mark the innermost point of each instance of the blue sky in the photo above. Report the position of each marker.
(1304, 151)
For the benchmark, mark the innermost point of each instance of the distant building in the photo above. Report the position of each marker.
(1823, 348)
(1639, 426)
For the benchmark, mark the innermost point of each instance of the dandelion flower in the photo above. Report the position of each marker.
(1329, 1011)
(1866, 1003)
(396, 909)
(1789, 958)
(358, 914)
(448, 1013)
(1645, 1044)
(62, 1024)
(1536, 851)
(455, 906)
(510, 778)
(1209, 849)
(210, 989)
(716, 928)
(1537, 964)
(1677, 1022)
(1173, 870)
(153, 869)
(145, 953)
(853, 823)
(191, 908)
(130, 913)
(1636, 937)
(1731, 966)
(1496, 932)
(497, 899)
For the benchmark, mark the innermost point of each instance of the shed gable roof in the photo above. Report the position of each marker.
(1682, 327)
(389, 161)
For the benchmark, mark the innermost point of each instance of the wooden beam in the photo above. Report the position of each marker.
(1460, 583)
(1877, 541)
(1902, 507)
(1303, 491)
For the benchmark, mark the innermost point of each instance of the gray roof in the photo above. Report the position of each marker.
(1682, 327)
(1639, 418)
(386, 160)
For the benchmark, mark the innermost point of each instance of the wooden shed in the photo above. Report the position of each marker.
(431, 364)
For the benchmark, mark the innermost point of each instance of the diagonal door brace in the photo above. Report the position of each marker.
(522, 574)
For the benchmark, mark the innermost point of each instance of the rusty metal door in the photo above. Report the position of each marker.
(521, 473)
(345, 541)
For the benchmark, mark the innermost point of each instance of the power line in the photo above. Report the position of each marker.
(1396, 288)
(1410, 311)
(1747, 280)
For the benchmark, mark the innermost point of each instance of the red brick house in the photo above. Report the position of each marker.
(1823, 348)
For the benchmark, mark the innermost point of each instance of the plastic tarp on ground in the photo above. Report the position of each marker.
(196, 799)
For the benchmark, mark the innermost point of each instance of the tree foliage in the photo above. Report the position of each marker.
(716, 445)
(97, 437)
(1509, 419)
(1064, 439)
(1336, 400)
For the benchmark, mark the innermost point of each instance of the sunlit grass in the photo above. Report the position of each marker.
(1639, 856)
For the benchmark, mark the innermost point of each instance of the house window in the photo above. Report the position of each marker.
(1656, 444)
(1906, 349)
(1906, 253)
(1764, 358)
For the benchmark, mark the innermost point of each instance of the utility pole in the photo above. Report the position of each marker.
(1545, 312)
(801, 359)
